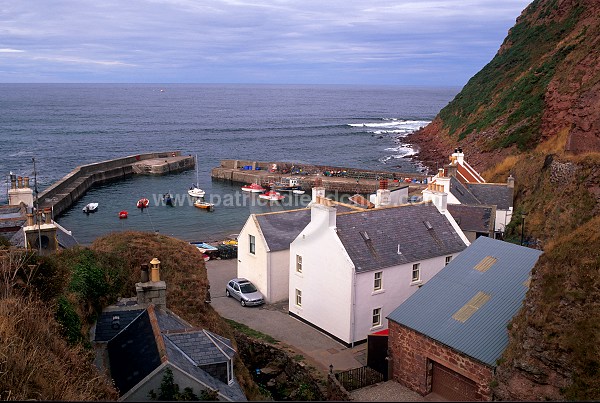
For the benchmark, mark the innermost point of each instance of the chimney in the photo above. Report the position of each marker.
(153, 291)
(458, 154)
(20, 182)
(383, 197)
(441, 172)
(26, 179)
(436, 195)
(145, 277)
(29, 219)
(317, 191)
(510, 182)
(155, 270)
(48, 215)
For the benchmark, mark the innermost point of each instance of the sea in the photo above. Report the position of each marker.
(47, 130)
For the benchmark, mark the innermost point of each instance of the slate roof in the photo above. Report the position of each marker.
(135, 351)
(483, 336)
(492, 193)
(391, 229)
(461, 192)
(281, 228)
(473, 218)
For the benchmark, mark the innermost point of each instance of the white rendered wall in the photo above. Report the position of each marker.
(397, 286)
(253, 267)
(279, 270)
(326, 278)
(503, 217)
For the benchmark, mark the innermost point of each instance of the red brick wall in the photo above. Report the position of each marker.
(410, 351)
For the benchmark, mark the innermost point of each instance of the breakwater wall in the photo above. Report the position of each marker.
(340, 179)
(64, 193)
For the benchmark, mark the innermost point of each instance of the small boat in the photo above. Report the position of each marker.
(254, 188)
(195, 190)
(123, 214)
(168, 198)
(271, 195)
(298, 191)
(143, 203)
(286, 184)
(204, 205)
(90, 208)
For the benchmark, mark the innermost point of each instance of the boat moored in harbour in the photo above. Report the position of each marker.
(123, 214)
(90, 208)
(253, 188)
(287, 184)
(142, 203)
(204, 205)
(271, 195)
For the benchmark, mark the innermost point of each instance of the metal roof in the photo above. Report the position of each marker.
(483, 335)
(386, 237)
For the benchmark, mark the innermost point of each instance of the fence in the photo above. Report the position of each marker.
(357, 378)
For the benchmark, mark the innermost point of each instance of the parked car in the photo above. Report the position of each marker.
(244, 291)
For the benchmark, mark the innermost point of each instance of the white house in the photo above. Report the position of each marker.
(348, 271)
(464, 185)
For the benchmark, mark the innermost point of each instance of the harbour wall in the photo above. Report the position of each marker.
(340, 179)
(65, 192)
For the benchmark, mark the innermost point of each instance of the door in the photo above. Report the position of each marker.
(451, 385)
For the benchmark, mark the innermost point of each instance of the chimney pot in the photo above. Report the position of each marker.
(145, 277)
(13, 181)
(48, 215)
(383, 184)
(20, 181)
(155, 270)
(26, 179)
(29, 219)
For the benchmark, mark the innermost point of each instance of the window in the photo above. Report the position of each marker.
(298, 297)
(299, 263)
(448, 259)
(416, 272)
(377, 281)
(252, 244)
(376, 321)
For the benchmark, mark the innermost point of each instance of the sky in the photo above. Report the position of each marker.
(380, 42)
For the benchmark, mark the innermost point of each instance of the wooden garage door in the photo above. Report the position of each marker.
(451, 385)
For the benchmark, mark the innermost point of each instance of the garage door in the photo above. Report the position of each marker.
(451, 385)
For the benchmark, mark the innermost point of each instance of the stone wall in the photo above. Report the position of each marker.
(410, 352)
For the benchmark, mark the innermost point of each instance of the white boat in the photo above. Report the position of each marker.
(287, 184)
(298, 191)
(90, 208)
(195, 190)
(254, 188)
(271, 195)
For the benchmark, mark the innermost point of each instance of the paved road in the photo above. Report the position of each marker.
(273, 320)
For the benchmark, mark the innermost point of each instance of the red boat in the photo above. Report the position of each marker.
(271, 195)
(123, 214)
(143, 203)
(254, 188)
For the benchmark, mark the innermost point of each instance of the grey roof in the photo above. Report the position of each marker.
(473, 218)
(493, 193)
(281, 228)
(134, 353)
(65, 240)
(483, 336)
(461, 192)
(391, 229)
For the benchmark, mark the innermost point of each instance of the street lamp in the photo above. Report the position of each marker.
(523, 215)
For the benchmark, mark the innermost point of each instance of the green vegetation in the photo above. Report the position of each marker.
(507, 95)
(251, 332)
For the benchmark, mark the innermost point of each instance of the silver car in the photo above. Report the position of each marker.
(244, 291)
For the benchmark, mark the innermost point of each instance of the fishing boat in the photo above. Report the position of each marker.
(168, 199)
(204, 205)
(286, 184)
(254, 188)
(298, 191)
(90, 208)
(195, 190)
(271, 195)
(123, 214)
(143, 203)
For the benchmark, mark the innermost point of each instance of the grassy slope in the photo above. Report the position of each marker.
(183, 270)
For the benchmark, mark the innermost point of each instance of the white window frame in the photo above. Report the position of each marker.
(298, 297)
(448, 260)
(230, 371)
(298, 264)
(376, 314)
(252, 239)
(378, 281)
(416, 268)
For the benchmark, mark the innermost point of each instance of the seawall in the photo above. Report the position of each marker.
(64, 193)
(340, 179)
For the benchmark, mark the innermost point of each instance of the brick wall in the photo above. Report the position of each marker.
(410, 352)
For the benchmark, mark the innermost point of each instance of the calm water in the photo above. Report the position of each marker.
(64, 126)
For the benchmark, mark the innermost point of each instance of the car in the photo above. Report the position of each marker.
(244, 291)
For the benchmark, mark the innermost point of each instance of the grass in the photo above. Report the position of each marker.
(255, 334)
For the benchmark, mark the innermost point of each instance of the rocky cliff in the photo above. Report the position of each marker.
(534, 112)
(544, 82)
